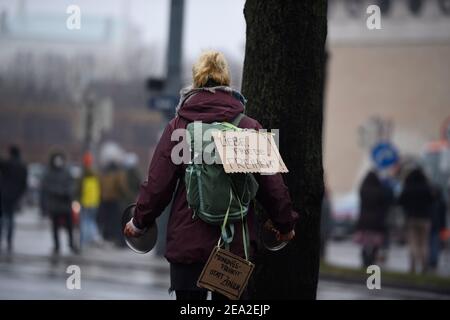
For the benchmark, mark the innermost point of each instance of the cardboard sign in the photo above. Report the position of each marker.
(248, 151)
(225, 273)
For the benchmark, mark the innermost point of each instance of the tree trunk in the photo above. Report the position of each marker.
(283, 81)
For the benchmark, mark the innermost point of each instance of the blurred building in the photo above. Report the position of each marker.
(400, 73)
(47, 71)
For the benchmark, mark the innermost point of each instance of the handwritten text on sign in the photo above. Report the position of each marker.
(225, 273)
(248, 151)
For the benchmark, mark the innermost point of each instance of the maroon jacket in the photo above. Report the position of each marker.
(192, 240)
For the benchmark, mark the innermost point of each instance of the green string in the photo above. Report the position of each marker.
(225, 220)
(245, 239)
(227, 239)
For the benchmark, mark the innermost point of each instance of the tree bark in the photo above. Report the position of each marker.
(283, 81)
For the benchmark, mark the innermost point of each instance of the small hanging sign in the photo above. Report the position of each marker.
(225, 273)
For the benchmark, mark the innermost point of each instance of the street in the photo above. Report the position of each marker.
(39, 279)
(111, 273)
(34, 278)
(347, 254)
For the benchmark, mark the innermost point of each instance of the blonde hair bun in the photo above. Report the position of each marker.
(211, 65)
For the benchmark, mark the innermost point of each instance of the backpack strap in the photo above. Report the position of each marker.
(238, 119)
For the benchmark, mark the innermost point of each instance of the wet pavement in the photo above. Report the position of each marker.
(112, 273)
(347, 254)
(25, 278)
(40, 279)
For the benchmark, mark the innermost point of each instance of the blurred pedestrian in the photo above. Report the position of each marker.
(416, 200)
(390, 181)
(13, 175)
(114, 189)
(89, 197)
(133, 176)
(438, 224)
(375, 201)
(57, 194)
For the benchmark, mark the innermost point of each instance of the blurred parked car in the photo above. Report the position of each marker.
(345, 211)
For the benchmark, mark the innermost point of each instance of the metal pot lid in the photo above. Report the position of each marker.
(269, 240)
(146, 242)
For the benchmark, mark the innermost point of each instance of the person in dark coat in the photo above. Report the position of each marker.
(114, 190)
(375, 201)
(133, 176)
(438, 224)
(416, 199)
(13, 177)
(190, 241)
(57, 194)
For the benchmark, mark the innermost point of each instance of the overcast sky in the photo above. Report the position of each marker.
(208, 24)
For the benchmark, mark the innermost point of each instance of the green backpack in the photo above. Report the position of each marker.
(216, 197)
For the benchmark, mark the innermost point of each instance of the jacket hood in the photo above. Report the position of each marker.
(210, 104)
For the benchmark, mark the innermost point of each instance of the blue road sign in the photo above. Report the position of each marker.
(384, 155)
(163, 102)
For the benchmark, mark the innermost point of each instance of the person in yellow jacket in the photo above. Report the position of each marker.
(89, 196)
